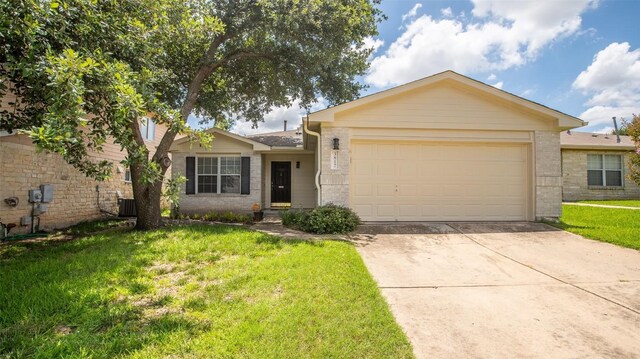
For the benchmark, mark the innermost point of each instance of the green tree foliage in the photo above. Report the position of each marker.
(633, 129)
(623, 128)
(85, 71)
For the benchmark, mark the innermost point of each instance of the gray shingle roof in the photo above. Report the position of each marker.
(577, 139)
(292, 138)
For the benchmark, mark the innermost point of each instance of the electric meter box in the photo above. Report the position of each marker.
(35, 195)
(47, 193)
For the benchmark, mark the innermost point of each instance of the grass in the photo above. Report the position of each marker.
(625, 203)
(192, 291)
(617, 226)
(95, 226)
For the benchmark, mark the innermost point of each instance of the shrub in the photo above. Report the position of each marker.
(328, 219)
(294, 219)
(225, 217)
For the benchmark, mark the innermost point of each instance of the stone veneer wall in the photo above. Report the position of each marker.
(335, 183)
(574, 178)
(75, 198)
(548, 175)
(209, 202)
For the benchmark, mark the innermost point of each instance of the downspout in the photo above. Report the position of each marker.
(319, 157)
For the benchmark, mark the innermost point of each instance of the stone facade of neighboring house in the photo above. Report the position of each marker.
(594, 167)
(76, 197)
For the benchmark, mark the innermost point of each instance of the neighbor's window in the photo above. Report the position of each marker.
(127, 175)
(207, 175)
(148, 129)
(604, 170)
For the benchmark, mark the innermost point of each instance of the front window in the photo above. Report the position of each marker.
(127, 175)
(218, 175)
(604, 170)
(207, 175)
(230, 174)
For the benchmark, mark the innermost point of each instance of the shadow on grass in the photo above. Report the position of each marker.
(64, 297)
(568, 227)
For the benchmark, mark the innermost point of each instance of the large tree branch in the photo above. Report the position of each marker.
(137, 135)
(205, 70)
(191, 97)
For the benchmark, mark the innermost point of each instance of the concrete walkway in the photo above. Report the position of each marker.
(506, 290)
(599, 205)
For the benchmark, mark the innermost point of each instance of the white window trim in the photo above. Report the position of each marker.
(604, 170)
(125, 176)
(219, 175)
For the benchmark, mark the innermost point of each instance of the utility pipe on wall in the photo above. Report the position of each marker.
(318, 159)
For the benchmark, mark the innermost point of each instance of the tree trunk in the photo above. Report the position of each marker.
(147, 198)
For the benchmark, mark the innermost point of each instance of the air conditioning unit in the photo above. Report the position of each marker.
(126, 207)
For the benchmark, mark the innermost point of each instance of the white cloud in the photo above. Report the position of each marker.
(499, 35)
(371, 43)
(446, 12)
(491, 77)
(274, 120)
(606, 130)
(498, 84)
(613, 83)
(412, 13)
(598, 116)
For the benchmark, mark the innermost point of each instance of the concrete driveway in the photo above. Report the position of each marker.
(500, 290)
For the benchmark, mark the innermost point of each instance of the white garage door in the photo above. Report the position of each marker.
(420, 181)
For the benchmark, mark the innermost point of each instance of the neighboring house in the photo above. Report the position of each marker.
(76, 197)
(443, 148)
(594, 167)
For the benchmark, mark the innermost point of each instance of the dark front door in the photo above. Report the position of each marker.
(281, 182)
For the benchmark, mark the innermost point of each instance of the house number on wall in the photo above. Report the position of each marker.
(334, 159)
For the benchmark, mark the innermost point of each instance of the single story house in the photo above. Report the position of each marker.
(594, 166)
(442, 148)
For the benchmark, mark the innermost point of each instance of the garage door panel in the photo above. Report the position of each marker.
(440, 181)
(363, 190)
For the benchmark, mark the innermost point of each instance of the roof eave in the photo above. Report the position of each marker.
(597, 147)
(257, 146)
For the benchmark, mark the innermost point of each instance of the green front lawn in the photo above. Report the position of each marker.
(192, 291)
(613, 225)
(625, 203)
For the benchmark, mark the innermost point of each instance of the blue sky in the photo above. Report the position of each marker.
(581, 57)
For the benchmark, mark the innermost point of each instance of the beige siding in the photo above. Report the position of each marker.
(303, 191)
(574, 178)
(442, 106)
(220, 144)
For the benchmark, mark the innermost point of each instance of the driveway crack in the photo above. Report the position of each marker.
(542, 272)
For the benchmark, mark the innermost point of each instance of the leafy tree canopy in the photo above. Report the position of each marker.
(633, 130)
(85, 71)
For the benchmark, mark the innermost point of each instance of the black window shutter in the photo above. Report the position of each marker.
(191, 175)
(245, 175)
